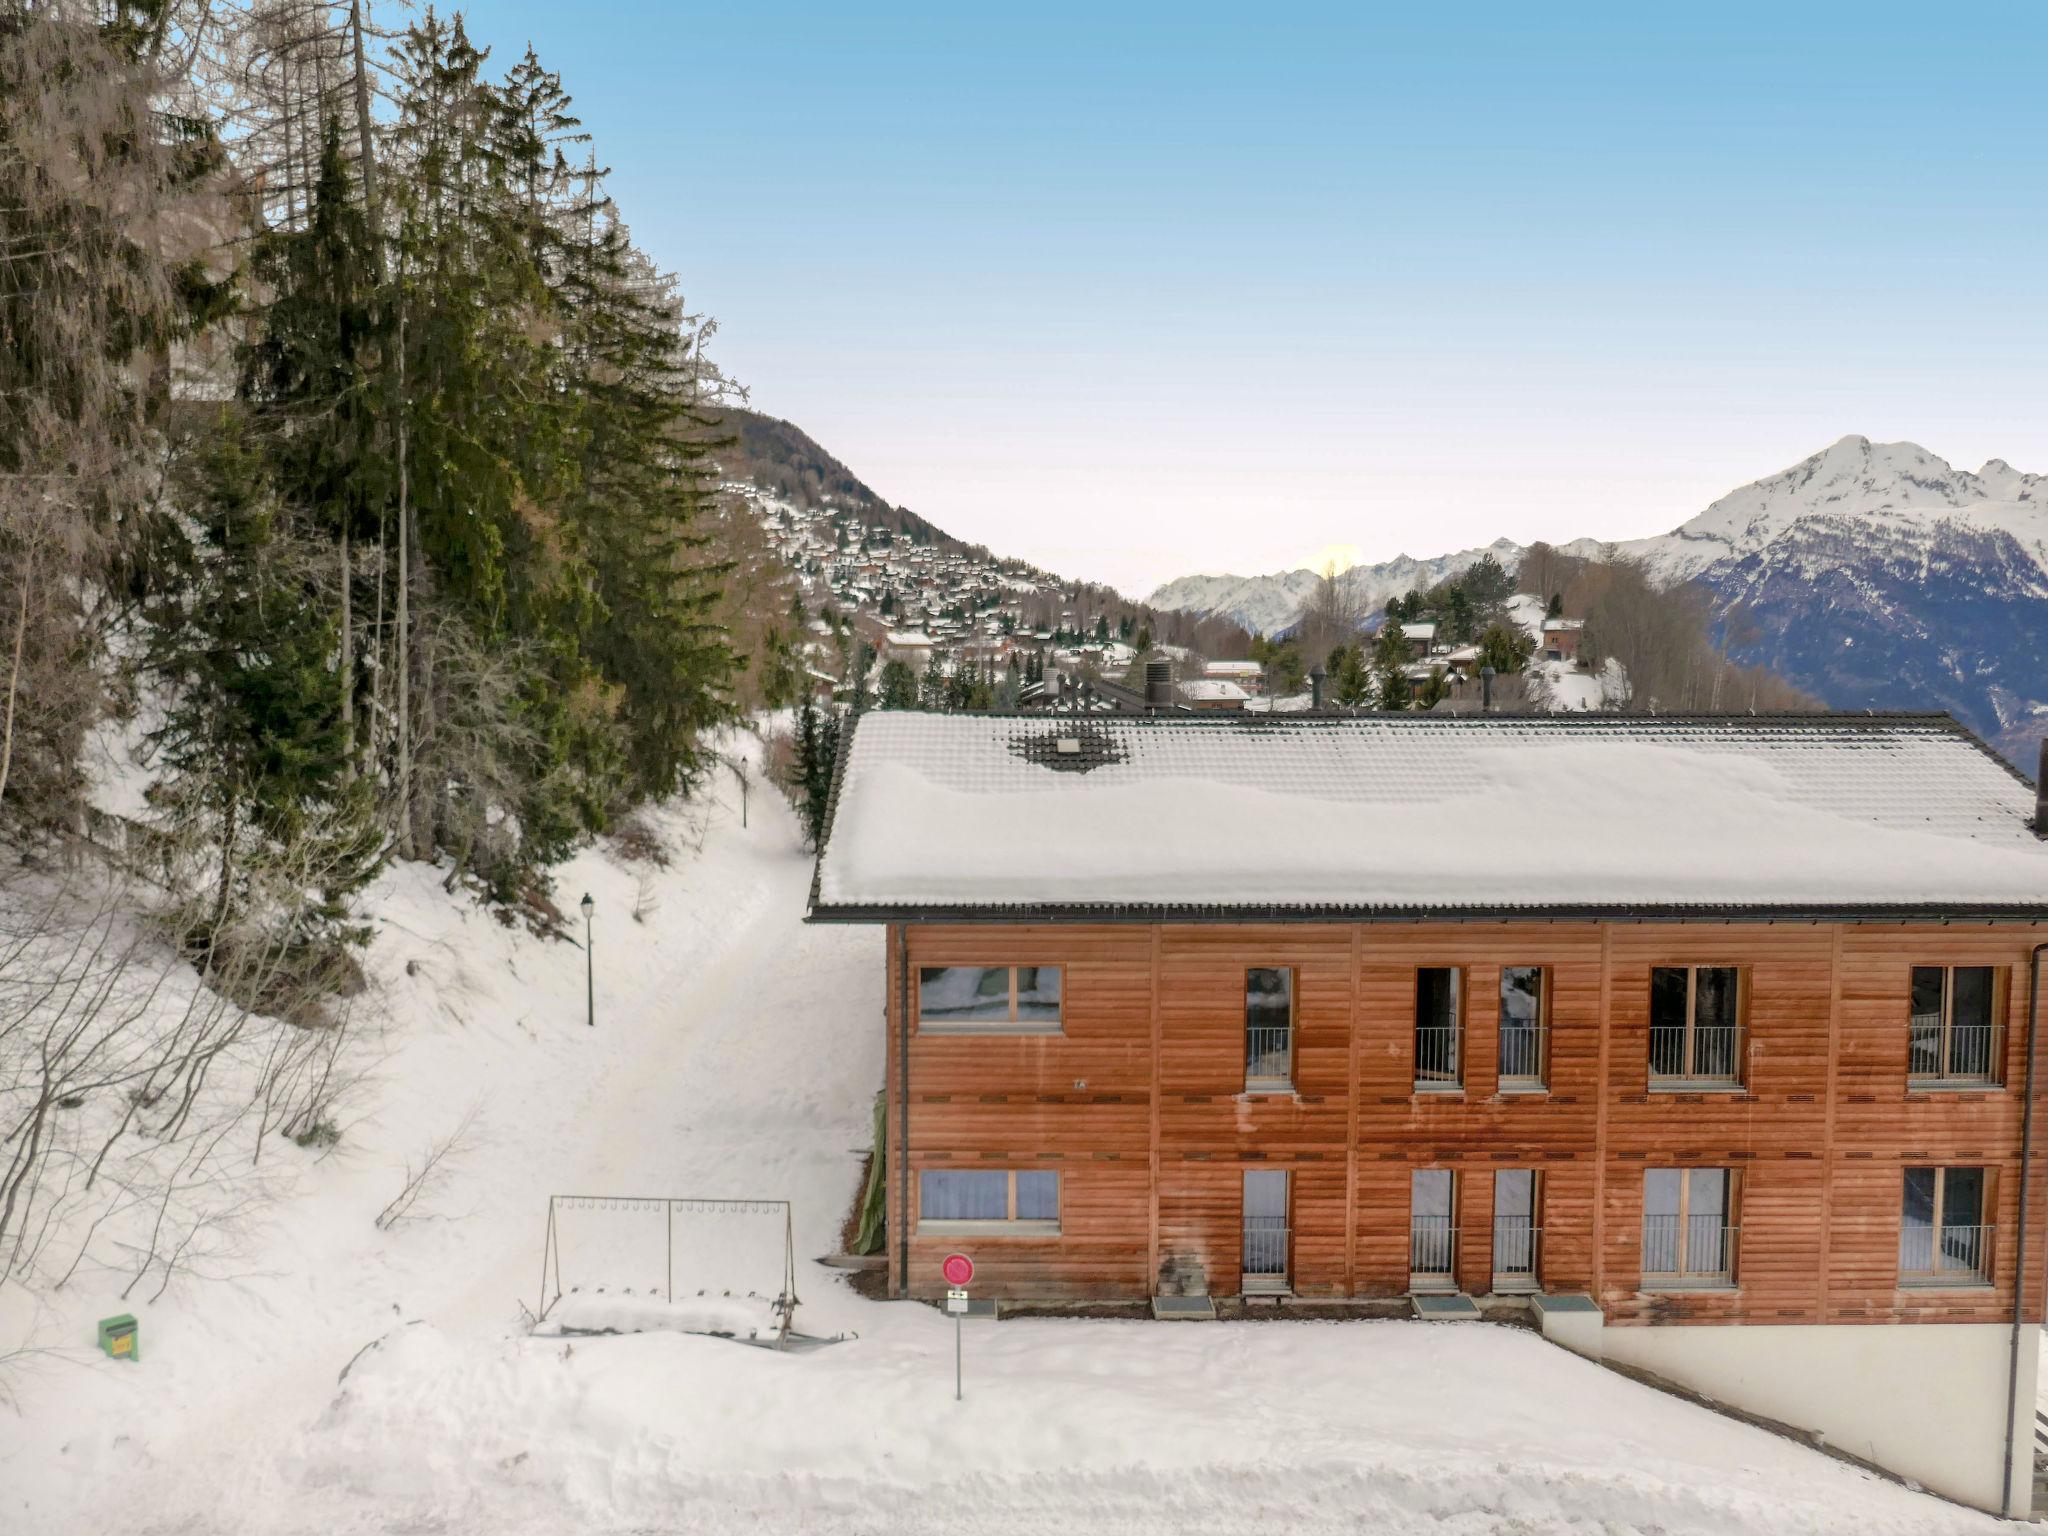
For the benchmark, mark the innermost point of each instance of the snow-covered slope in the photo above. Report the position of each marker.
(1872, 575)
(334, 1377)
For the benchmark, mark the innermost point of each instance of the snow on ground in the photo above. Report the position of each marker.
(352, 1380)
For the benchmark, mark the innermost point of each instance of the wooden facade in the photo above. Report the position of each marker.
(1139, 1103)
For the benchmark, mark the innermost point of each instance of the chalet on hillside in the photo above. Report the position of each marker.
(1561, 639)
(1707, 1039)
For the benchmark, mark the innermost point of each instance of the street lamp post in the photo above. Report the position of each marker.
(589, 968)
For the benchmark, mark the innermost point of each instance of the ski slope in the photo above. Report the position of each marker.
(347, 1379)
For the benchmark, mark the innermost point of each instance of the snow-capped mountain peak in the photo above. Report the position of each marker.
(1872, 575)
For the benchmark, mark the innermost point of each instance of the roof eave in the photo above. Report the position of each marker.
(1619, 912)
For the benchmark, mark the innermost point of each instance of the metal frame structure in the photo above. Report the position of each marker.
(551, 1245)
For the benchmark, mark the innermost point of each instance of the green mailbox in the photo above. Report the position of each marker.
(121, 1337)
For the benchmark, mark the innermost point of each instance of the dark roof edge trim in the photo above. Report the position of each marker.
(1625, 912)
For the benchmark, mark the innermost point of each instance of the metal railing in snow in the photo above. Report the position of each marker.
(1688, 1248)
(1697, 1053)
(1944, 1254)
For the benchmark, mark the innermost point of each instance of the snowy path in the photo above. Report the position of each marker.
(736, 1053)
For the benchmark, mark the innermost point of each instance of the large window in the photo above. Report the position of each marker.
(1689, 1226)
(1524, 1027)
(993, 999)
(1433, 1230)
(1696, 1025)
(1437, 1058)
(1268, 1027)
(1021, 1201)
(1516, 1228)
(1953, 1034)
(1944, 1238)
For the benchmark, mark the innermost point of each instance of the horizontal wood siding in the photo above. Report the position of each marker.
(1140, 1104)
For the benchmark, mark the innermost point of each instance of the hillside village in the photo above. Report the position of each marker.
(883, 603)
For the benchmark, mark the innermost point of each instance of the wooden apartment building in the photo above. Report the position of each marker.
(1680, 1022)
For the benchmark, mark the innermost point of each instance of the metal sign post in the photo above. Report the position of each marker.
(958, 1270)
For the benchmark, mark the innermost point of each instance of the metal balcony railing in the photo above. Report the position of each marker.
(1436, 1056)
(1265, 1253)
(1432, 1251)
(1522, 1055)
(1944, 1255)
(1697, 1053)
(1961, 1053)
(1269, 1053)
(1688, 1248)
(1515, 1240)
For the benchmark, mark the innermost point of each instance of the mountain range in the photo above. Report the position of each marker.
(1870, 575)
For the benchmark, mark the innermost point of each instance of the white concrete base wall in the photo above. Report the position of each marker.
(1925, 1400)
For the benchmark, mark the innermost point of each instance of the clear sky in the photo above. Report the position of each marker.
(1139, 290)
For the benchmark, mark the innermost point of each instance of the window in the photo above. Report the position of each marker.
(992, 999)
(1265, 1230)
(1696, 1025)
(1689, 1226)
(1515, 1228)
(1436, 1027)
(1524, 1026)
(1943, 1237)
(1268, 1028)
(1432, 1230)
(1952, 1036)
(1024, 1201)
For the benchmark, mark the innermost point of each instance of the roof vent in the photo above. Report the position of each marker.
(1158, 683)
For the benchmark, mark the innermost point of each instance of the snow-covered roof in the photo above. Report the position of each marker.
(1552, 625)
(1390, 815)
(1234, 669)
(1214, 690)
(1422, 629)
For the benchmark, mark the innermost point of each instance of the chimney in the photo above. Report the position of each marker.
(1485, 688)
(1158, 683)
(2041, 792)
(1315, 686)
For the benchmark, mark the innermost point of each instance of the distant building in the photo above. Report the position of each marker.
(1212, 693)
(1561, 639)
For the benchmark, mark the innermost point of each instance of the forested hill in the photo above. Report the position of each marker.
(783, 460)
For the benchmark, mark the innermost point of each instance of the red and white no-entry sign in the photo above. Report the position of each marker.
(958, 1269)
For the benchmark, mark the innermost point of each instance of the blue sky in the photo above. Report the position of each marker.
(1141, 290)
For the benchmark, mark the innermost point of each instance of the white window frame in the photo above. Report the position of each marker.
(1009, 1026)
(1009, 1226)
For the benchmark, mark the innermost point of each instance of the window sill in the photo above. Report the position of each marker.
(1951, 1085)
(1689, 1287)
(1704, 1085)
(1268, 1088)
(990, 1029)
(1436, 1090)
(940, 1227)
(1523, 1090)
(1961, 1283)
